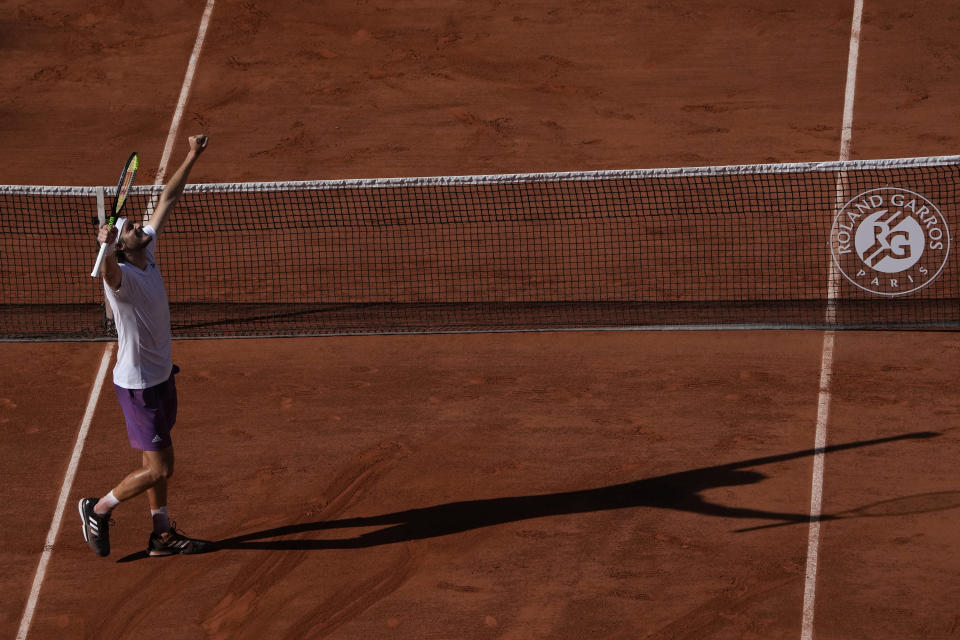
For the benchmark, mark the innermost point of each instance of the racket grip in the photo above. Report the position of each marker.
(96, 267)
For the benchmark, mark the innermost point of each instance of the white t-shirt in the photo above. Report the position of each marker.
(142, 316)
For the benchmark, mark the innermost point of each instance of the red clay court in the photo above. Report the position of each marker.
(589, 484)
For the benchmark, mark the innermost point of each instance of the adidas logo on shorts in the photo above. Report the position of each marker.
(156, 439)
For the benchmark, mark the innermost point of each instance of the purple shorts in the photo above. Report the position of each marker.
(150, 413)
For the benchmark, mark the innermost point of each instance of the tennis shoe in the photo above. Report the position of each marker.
(96, 527)
(174, 542)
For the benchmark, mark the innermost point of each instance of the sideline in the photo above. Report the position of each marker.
(826, 357)
(184, 92)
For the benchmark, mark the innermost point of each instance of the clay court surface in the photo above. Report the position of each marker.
(517, 485)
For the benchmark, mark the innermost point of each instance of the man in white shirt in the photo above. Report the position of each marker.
(144, 374)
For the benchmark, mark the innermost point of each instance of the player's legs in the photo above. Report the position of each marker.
(150, 414)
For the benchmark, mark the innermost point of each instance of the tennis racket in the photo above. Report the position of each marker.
(119, 199)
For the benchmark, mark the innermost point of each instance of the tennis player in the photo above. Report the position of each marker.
(144, 374)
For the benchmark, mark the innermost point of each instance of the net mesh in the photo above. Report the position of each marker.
(841, 245)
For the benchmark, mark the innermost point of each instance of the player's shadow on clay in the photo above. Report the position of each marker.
(678, 491)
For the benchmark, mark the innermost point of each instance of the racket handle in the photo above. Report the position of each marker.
(96, 267)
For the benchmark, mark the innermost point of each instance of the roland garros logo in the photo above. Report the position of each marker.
(890, 241)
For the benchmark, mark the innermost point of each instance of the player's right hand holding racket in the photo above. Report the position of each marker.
(119, 199)
(108, 235)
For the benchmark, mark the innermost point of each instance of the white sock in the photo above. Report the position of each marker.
(106, 504)
(161, 520)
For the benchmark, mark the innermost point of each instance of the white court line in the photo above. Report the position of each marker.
(826, 358)
(184, 92)
(65, 489)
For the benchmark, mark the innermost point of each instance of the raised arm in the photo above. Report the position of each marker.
(173, 190)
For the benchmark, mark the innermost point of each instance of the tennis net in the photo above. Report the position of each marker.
(863, 244)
